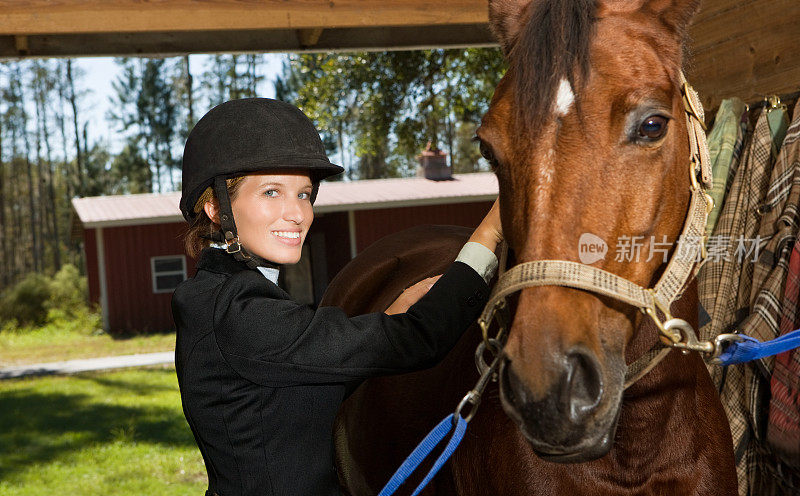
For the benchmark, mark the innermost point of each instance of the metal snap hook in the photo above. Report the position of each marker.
(688, 337)
(494, 346)
(473, 398)
(720, 343)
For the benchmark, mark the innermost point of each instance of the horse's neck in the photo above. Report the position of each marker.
(659, 403)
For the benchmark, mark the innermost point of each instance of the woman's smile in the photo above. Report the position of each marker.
(291, 238)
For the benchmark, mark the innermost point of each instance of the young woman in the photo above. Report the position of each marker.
(261, 376)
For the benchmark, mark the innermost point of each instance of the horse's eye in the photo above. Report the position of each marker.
(653, 128)
(486, 152)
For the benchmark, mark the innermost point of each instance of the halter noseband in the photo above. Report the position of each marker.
(686, 260)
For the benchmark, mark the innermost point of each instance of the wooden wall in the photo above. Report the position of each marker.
(132, 305)
(334, 227)
(372, 225)
(745, 48)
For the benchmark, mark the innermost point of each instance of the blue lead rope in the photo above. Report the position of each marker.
(423, 450)
(746, 348)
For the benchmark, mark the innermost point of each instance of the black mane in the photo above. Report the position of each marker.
(554, 45)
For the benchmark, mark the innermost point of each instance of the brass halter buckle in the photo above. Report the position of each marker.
(689, 105)
(676, 333)
(497, 313)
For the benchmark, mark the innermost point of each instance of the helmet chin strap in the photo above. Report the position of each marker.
(229, 235)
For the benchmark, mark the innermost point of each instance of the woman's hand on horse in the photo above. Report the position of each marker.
(490, 232)
(411, 295)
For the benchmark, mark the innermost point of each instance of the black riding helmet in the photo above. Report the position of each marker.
(242, 136)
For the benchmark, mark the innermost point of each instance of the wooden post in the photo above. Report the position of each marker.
(308, 37)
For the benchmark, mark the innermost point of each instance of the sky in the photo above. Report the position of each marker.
(100, 72)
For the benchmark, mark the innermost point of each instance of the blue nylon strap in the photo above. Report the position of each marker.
(461, 427)
(423, 450)
(752, 349)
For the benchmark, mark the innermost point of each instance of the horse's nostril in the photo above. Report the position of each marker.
(510, 384)
(583, 383)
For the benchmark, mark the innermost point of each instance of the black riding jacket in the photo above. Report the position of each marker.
(262, 377)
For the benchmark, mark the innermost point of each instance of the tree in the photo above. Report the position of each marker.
(43, 86)
(147, 113)
(157, 111)
(183, 89)
(387, 105)
(72, 96)
(69, 169)
(17, 96)
(230, 77)
(218, 80)
(129, 172)
(5, 261)
(100, 180)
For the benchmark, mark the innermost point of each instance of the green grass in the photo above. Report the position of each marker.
(116, 433)
(53, 343)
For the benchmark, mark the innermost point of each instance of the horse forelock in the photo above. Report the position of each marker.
(552, 48)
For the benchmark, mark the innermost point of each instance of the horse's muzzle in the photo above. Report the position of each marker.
(575, 421)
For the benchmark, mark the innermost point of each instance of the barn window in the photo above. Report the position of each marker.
(168, 272)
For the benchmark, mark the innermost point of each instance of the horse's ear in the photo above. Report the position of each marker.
(674, 13)
(506, 19)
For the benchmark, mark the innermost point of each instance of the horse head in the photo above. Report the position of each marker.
(587, 135)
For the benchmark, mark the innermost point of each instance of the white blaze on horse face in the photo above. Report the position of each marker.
(543, 190)
(564, 98)
(546, 171)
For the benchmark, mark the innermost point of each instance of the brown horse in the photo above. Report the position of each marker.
(586, 135)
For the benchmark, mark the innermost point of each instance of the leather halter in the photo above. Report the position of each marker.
(687, 258)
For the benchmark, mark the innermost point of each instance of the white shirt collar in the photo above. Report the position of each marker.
(270, 273)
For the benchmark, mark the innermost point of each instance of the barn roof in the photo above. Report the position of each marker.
(157, 208)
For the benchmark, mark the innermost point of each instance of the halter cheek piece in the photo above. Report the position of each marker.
(655, 302)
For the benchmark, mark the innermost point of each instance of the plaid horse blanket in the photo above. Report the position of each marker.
(742, 289)
(783, 426)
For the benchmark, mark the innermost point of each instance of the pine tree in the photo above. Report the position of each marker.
(147, 112)
(5, 260)
(43, 86)
(72, 96)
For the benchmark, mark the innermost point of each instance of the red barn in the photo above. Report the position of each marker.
(134, 243)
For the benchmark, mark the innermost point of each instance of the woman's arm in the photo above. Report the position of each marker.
(274, 341)
(411, 295)
(489, 232)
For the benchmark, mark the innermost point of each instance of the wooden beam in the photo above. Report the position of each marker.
(136, 16)
(248, 41)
